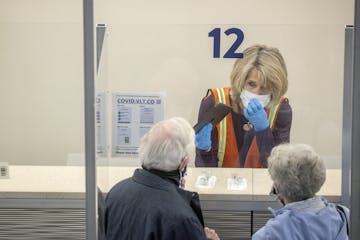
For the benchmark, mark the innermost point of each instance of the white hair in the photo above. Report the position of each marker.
(297, 170)
(166, 145)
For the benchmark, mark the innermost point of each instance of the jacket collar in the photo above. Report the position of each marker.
(314, 204)
(151, 180)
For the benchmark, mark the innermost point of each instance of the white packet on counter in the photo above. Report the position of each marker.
(236, 183)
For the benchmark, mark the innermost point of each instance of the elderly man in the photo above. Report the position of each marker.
(298, 173)
(152, 204)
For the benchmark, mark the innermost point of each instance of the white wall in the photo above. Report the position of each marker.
(162, 46)
(41, 72)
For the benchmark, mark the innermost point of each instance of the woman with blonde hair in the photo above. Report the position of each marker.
(260, 118)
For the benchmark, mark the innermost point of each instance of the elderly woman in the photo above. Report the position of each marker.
(298, 173)
(261, 115)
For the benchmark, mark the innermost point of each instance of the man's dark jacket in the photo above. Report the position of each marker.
(147, 206)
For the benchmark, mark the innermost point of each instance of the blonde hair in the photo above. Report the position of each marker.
(270, 66)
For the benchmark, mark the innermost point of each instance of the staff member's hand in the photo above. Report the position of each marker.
(203, 137)
(256, 115)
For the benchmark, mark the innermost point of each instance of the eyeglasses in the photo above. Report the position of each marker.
(273, 192)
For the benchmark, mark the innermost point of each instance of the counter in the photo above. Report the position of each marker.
(68, 183)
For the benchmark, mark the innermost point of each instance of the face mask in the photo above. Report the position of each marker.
(274, 194)
(246, 96)
(182, 175)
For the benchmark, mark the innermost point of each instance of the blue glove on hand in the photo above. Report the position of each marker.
(203, 137)
(256, 115)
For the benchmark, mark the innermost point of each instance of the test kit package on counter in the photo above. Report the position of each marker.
(205, 181)
(236, 183)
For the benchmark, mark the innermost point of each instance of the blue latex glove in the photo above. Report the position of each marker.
(203, 137)
(256, 115)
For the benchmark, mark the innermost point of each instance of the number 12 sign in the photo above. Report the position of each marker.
(231, 52)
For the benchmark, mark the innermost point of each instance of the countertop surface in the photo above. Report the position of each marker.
(225, 184)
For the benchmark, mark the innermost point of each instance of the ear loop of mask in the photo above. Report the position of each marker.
(275, 195)
(182, 173)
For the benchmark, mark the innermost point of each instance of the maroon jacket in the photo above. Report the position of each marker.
(266, 139)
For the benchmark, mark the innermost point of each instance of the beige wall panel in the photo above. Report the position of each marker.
(41, 65)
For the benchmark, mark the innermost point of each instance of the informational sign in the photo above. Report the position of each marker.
(132, 116)
(100, 124)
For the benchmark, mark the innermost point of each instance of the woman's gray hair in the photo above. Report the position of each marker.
(297, 170)
(270, 66)
(167, 144)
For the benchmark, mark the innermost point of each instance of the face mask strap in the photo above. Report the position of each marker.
(182, 173)
(274, 193)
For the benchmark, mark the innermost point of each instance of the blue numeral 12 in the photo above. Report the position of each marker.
(231, 52)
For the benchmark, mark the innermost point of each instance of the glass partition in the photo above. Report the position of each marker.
(158, 71)
(157, 61)
(102, 114)
(42, 124)
(177, 62)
